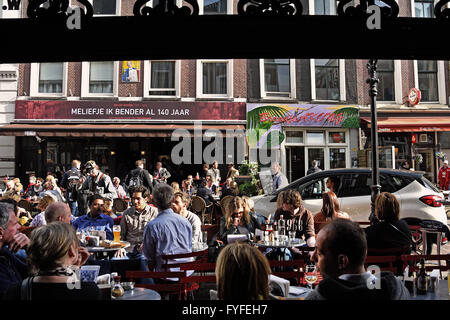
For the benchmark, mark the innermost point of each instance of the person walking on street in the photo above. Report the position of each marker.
(279, 179)
(443, 176)
(314, 167)
(69, 183)
(97, 182)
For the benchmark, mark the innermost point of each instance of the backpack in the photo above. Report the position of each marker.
(72, 185)
(135, 181)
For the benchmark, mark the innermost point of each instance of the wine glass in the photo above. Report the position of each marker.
(310, 274)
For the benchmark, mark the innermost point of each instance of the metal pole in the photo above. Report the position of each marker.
(375, 187)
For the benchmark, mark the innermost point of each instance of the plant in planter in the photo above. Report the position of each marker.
(247, 174)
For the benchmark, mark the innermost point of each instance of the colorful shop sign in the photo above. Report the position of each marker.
(264, 121)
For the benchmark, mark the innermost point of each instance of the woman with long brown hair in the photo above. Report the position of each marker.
(236, 220)
(330, 210)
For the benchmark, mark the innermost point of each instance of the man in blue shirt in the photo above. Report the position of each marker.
(168, 233)
(95, 218)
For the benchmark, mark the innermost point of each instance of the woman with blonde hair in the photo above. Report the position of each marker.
(52, 179)
(236, 220)
(175, 186)
(39, 219)
(54, 254)
(250, 208)
(242, 273)
(330, 210)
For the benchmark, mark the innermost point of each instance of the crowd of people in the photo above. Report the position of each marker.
(158, 221)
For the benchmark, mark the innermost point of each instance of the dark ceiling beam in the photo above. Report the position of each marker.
(227, 36)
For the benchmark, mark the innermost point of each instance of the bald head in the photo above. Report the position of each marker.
(58, 211)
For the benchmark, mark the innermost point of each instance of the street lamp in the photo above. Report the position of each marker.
(375, 187)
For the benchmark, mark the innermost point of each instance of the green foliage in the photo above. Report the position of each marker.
(253, 116)
(248, 169)
(249, 188)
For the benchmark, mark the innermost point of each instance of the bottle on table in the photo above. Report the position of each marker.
(117, 291)
(282, 226)
(421, 281)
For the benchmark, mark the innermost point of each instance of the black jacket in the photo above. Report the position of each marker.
(383, 235)
(144, 176)
(356, 288)
(206, 194)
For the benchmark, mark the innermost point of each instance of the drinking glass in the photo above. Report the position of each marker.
(276, 235)
(291, 236)
(311, 274)
(116, 232)
(205, 237)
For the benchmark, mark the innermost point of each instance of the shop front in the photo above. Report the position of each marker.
(326, 133)
(50, 134)
(417, 139)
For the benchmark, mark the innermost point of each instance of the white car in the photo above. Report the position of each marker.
(418, 197)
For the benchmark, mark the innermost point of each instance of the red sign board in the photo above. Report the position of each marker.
(126, 110)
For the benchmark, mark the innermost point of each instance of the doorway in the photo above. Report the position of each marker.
(295, 163)
(427, 164)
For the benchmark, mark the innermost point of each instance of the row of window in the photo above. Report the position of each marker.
(161, 79)
(423, 8)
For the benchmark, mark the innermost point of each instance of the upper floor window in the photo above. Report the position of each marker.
(214, 78)
(48, 79)
(161, 78)
(424, 8)
(100, 78)
(385, 73)
(428, 79)
(277, 77)
(325, 7)
(327, 79)
(106, 7)
(208, 7)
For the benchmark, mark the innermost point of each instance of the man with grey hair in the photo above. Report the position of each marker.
(161, 174)
(279, 179)
(58, 211)
(168, 233)
(12, 269)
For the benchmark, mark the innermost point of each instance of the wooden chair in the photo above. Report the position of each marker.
(289, 269)
(395, 252)
(224, 201)
(165, 287)
(26, 230)
(198, 206)
(120, 205)
(198, 256)
(412, 260)
(416, 234)
(385, 263)
(211, 229)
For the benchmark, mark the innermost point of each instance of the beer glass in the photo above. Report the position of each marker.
(116, 232)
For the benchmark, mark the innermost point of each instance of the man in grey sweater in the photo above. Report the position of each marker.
(341, 250)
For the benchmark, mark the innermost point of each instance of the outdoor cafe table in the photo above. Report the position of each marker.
(283, 245)
(139, 294)
(101, 252)
(440, 292)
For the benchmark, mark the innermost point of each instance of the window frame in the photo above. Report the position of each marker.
(413, 7)
(201, 5)
(34, 81)
(85, 80)
(118, 9)
(292, 82)
(147, 79)
(341, 73)
(199, 78)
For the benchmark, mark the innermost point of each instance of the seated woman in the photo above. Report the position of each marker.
(250, 208)
(330, 211)
(39, 219)
(54, 254)
(236, 220)
(242, 273)
(295, 215)
(390, 232)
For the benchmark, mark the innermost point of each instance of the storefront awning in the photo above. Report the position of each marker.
(112, 130)
(410, 124)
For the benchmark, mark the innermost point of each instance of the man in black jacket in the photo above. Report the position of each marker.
(314, 167)
(340, 253)
(69, 183)
(139, 176)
